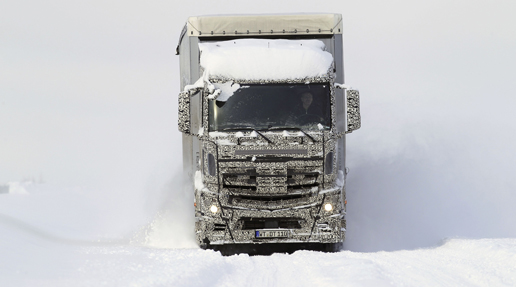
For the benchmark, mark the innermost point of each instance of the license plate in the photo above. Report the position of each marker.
(272, 233)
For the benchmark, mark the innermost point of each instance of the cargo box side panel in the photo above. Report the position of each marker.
(189, 73)
(340, 101)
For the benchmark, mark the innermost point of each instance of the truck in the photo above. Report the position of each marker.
(264, 111)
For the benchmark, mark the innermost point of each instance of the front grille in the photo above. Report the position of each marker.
(304, 187)
(267, 184)
(293, 179)
(240, 188)
(219, 227)
(268, 198)
(270, 151)
(277, 222)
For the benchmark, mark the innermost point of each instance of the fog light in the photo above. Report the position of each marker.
(214, 209)
(328, 207)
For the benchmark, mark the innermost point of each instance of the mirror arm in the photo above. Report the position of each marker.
(338, 135)
(191, 92)
(342, 86)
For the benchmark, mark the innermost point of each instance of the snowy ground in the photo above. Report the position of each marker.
(51, 237)
(488, 262)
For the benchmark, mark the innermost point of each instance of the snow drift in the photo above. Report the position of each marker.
(259, 59)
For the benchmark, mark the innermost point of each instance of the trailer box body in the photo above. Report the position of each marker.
(264, 113)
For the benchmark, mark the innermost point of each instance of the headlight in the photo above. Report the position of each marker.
(328, 207)
(214, 209)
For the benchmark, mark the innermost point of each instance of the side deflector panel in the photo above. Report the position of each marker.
(184, 112)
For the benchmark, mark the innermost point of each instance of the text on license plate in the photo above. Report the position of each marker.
(272, 233)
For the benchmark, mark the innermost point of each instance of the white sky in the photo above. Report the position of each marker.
(88, 95)
(87, 88)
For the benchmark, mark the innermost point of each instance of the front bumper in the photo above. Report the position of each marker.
(308, 222)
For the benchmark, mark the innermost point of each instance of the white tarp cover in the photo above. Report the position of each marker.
(263, 59)
(263, 24)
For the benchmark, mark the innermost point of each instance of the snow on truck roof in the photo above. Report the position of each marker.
(265, 59)
(252, 25)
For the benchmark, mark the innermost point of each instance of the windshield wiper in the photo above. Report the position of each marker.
(248, 129)
(293, 129)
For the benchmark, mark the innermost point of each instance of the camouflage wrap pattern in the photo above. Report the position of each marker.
(258, 185)
(353, 111)
(184, 112)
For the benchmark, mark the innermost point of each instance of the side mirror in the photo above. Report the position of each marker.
(353, 110)
(183, 120)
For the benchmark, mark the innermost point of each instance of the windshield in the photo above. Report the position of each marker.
(264, 106)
